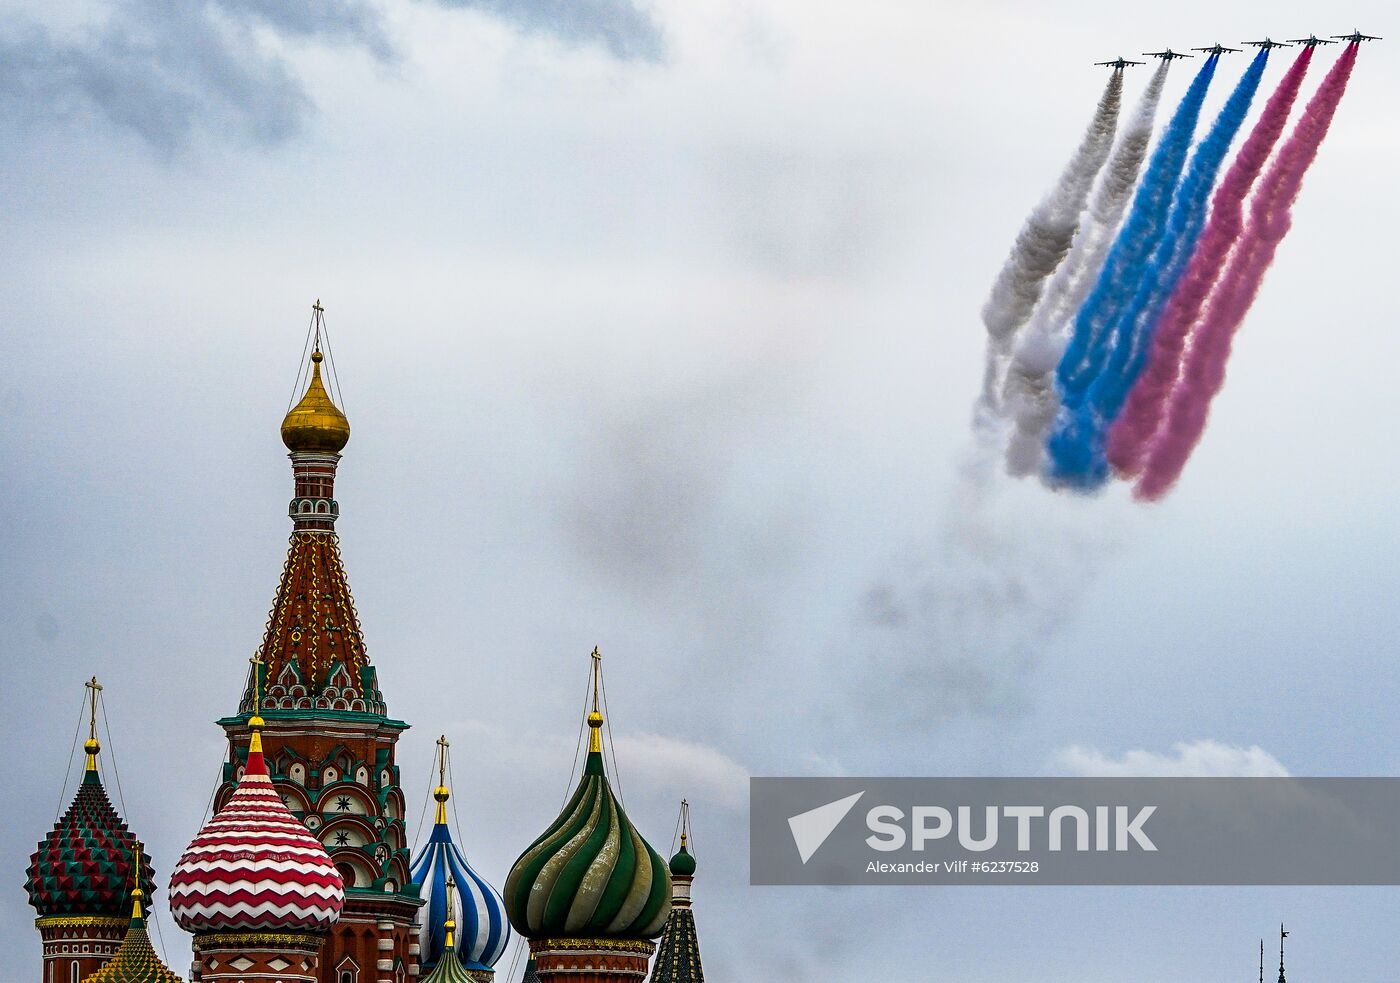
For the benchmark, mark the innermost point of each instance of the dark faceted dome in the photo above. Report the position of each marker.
(83, 867)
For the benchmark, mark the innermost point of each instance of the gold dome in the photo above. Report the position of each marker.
(316, 424)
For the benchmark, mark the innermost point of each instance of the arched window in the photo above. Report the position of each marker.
(73, 972)
(347, 977)
(347, 874)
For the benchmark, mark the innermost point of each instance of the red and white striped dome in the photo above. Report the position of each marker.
(254, 867)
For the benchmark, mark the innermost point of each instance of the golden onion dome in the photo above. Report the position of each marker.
(316, 424)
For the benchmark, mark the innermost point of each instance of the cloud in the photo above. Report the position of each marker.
(654, 765)
(685, 768)
(648, 505)
(959, 623)
(164, 69)
(624, 29)
(168, 69)
(1203, 758)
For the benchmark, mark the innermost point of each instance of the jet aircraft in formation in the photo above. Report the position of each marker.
(1217, 49)
(1355, 37)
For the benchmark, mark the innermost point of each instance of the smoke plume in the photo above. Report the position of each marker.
(1270, 218)
(1028, 393)
(1041, 246)
(1134, 430)
(1093, 337)
(1138, 321)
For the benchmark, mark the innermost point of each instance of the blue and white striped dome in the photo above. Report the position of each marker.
(482, 932)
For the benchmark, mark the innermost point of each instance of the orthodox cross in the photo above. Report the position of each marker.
(93, 688)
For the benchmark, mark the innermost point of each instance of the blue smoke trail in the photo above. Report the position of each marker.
(1190, 208)
(1132, 335)
(1092, 340)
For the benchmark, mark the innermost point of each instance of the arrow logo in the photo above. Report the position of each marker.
(810, 829)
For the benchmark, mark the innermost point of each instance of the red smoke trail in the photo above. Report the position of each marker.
(1132, 434)
(1270, 217)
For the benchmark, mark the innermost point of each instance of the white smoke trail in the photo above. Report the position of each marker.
(1028, 393)
(1040, 247)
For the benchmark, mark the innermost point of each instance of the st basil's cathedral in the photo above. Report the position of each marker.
(304, 872)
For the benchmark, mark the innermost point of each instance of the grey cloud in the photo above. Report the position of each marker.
(801, 213)
(165, 69)
(648, 508)
(626, 30)
(352, 21)
(959, 622)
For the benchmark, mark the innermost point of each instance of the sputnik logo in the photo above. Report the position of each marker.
(811, 829)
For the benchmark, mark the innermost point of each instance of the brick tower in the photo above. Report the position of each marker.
(80, 876)
(328, 737)
(678, 952)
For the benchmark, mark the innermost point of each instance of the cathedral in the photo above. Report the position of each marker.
(304, 872)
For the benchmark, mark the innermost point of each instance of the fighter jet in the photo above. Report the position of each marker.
(1266, 43)
(1167, 55)
(1216, 49)
(1118, 64)
(1356, 37)
(1311, 41)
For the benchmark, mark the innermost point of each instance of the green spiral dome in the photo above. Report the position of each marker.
(590, 875)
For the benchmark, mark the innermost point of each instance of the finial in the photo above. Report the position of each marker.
(136, 893)
(1281, 936)
(595, 716)
(685, 822)
(451, 922)
(1261, 961)
(256, 722)
(315, 424)
(441, 793)
(92, 746)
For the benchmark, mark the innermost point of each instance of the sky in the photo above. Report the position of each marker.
(657, 327)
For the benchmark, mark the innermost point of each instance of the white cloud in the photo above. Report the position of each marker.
(686, 768)
(654, 765)
(1196, 759)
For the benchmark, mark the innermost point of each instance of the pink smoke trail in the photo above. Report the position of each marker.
(1203, 374)
(1133, 432)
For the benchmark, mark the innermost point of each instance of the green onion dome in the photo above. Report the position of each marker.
(683, 864)
(590, 875)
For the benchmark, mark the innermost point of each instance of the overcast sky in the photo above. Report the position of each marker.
(657, 326)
